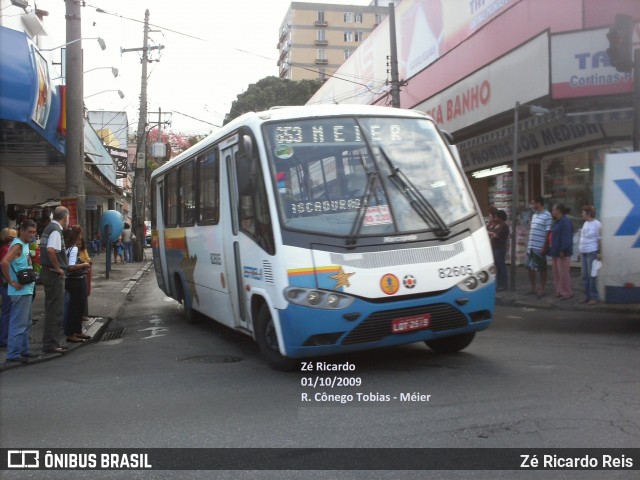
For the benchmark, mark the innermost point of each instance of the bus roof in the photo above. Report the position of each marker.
(289, 112)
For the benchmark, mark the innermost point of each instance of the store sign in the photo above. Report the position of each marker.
(426, 31)
(119, 156)
(91, 203)
(536, 137)
(580, 65)
(522, 75)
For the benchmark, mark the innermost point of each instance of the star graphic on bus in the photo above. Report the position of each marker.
(342, 279)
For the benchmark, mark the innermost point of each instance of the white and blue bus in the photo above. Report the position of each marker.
(320, 230)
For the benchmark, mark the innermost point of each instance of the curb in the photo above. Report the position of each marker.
(563, 305)
(96, 331)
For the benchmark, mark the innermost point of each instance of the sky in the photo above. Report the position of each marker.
(213, 51)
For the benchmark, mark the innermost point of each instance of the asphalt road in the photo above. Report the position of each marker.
(535, 379)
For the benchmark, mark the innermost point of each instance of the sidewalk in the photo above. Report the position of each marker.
(519, 298)
(107, 296)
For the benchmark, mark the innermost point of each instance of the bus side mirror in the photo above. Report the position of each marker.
(246, 166)
(448, 137)
(247, 146)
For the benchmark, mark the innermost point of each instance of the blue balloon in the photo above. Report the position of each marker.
(115, 220)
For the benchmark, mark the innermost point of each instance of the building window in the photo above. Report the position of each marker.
(379, 18)
(320, 19)
(348, 17)
(321, 37)
(322, 74)
(359, 37)
(322, 54)
(348, 36)
(347, 53)
(357, 17)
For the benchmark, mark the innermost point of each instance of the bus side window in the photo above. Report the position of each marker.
(254, 216)
(171, 200)
(208, 179)
(187, 194)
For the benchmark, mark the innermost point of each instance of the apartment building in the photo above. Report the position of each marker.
(316, 38)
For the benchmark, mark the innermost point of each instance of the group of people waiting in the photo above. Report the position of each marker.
(551, 235)
(65, 265)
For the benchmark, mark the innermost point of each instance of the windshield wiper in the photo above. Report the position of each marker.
(373, 188)
(372, 179)
(417, 201)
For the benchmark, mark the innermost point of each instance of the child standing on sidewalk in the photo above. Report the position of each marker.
(119, 250)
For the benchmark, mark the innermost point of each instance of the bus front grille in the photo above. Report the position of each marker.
(378, 325)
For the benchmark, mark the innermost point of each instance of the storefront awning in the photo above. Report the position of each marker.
(100, 172)
(537, 136)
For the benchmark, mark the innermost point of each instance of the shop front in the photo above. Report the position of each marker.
(484, 69)
(32, 140)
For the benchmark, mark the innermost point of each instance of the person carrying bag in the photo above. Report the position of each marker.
(16, 266)
(76, 286)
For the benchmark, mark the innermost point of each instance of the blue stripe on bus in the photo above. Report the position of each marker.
(299, 323)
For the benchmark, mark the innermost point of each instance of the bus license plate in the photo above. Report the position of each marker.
(409, 324)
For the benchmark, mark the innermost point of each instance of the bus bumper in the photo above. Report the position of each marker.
(364, 325)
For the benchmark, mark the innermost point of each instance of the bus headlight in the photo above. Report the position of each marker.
(309, 297)
(333, 300)
(471, 283)
(313, 298)
(478, 279)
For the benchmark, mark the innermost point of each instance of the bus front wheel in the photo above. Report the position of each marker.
(267, 339)
(451, 344)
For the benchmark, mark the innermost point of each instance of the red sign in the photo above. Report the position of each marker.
(72, 204)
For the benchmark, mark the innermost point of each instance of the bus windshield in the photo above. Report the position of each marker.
(367, 176)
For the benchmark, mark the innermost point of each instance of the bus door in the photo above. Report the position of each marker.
(229, 151)
(157, 236)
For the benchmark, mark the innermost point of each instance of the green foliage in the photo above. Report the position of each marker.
(272, 91)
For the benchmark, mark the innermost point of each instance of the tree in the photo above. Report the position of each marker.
(272, 91)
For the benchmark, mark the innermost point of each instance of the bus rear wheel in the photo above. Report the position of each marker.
(268, 342)
(451, 344)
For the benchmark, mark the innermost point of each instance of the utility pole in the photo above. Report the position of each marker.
(74, 148)
(636, 100)
(395, 80)
(141, 143)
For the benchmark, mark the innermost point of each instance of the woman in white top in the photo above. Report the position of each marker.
(75, 284)
(590, 238)
(127, 240)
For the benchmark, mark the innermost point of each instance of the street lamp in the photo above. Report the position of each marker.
(533, 110)
(104, 91)
(114, 70)
(101, 42)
